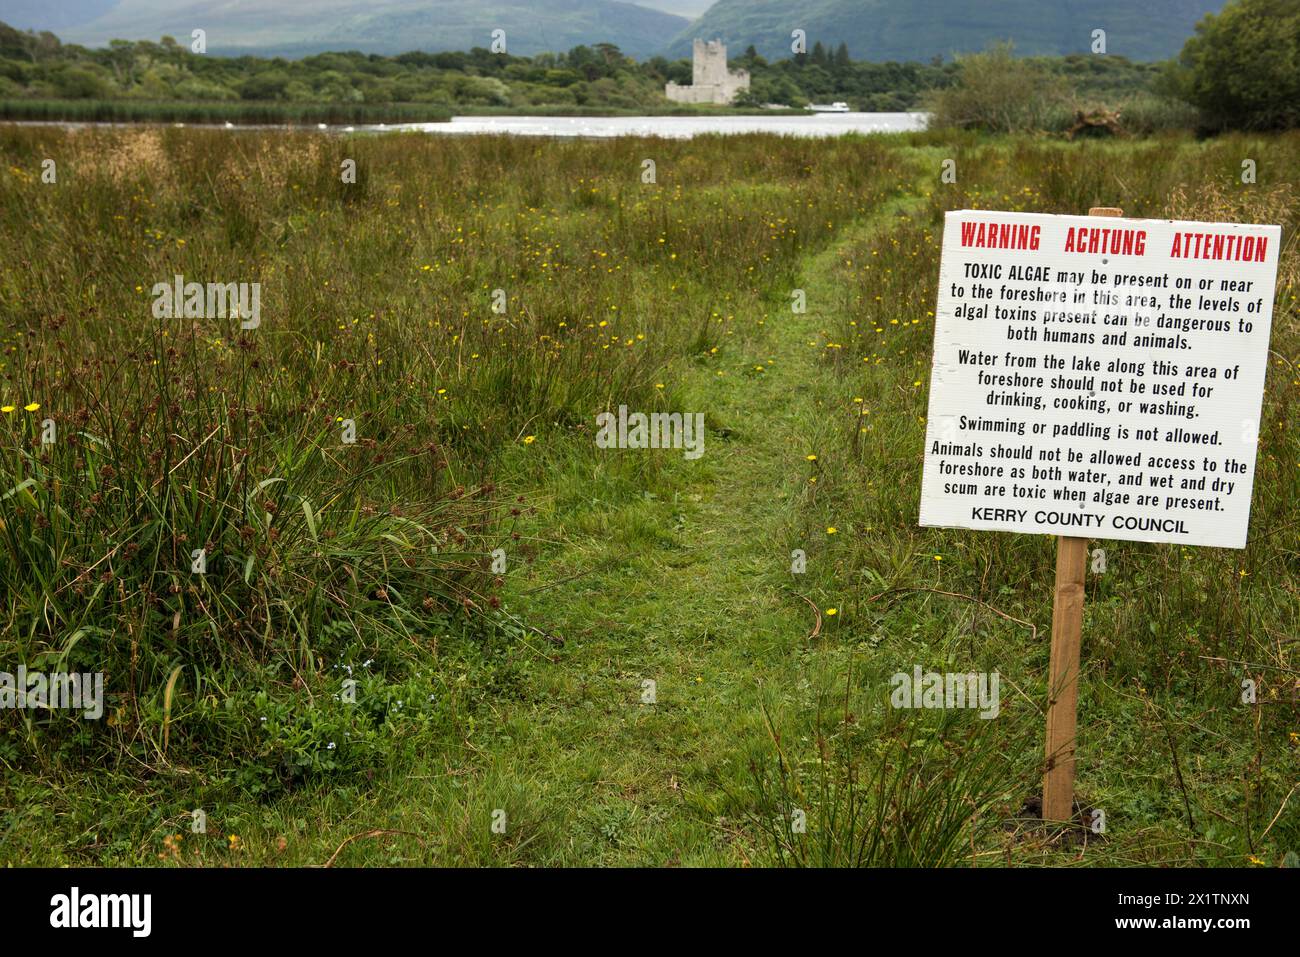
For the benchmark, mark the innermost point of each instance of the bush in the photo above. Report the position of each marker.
(79, 83)
(264, 86)
(1240, 67)
(998, 93)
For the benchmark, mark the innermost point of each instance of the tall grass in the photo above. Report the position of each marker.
(871, 788)
(371, 559)
(176, 436)
(249, 113)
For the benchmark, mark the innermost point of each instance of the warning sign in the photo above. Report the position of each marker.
(1098, 378)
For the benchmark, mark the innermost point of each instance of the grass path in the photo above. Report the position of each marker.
(691, 591)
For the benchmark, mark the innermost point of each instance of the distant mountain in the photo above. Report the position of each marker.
(685, 8)
(55, 17)
(873, 29)
(920, 29)
(301, 27)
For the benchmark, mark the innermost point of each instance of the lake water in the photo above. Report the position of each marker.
(674, 127)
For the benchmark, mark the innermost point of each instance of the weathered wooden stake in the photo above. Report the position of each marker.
(1063, 673)
(1063, 687)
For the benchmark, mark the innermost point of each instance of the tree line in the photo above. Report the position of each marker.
(39, 66)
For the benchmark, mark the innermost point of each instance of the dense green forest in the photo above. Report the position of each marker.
(39, 68)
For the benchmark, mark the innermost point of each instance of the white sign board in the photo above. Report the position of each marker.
(1097, 377)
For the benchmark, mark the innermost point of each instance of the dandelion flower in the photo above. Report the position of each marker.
(6, 409)
(32, 406)
(811, 458)
(831, 529)
(832, 612)
(529, 439)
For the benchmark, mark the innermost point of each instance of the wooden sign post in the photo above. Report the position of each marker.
(1095, 380)
(1063, 672)
(1063, 681)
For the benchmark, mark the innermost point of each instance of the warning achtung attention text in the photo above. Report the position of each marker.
(1098, 378)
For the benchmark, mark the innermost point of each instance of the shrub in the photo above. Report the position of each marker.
(79, 83)
(997, 92)
(1240, 67)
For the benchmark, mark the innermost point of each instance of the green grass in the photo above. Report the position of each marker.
(622, 567)
(250, 113)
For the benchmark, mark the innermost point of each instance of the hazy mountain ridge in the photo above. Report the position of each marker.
(877, 30)
(391, 26)
(44, 15)
(903, 30)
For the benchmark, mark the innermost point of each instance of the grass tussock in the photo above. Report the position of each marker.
(240, 113)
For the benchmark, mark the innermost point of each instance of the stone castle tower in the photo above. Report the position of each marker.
(711, 81)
